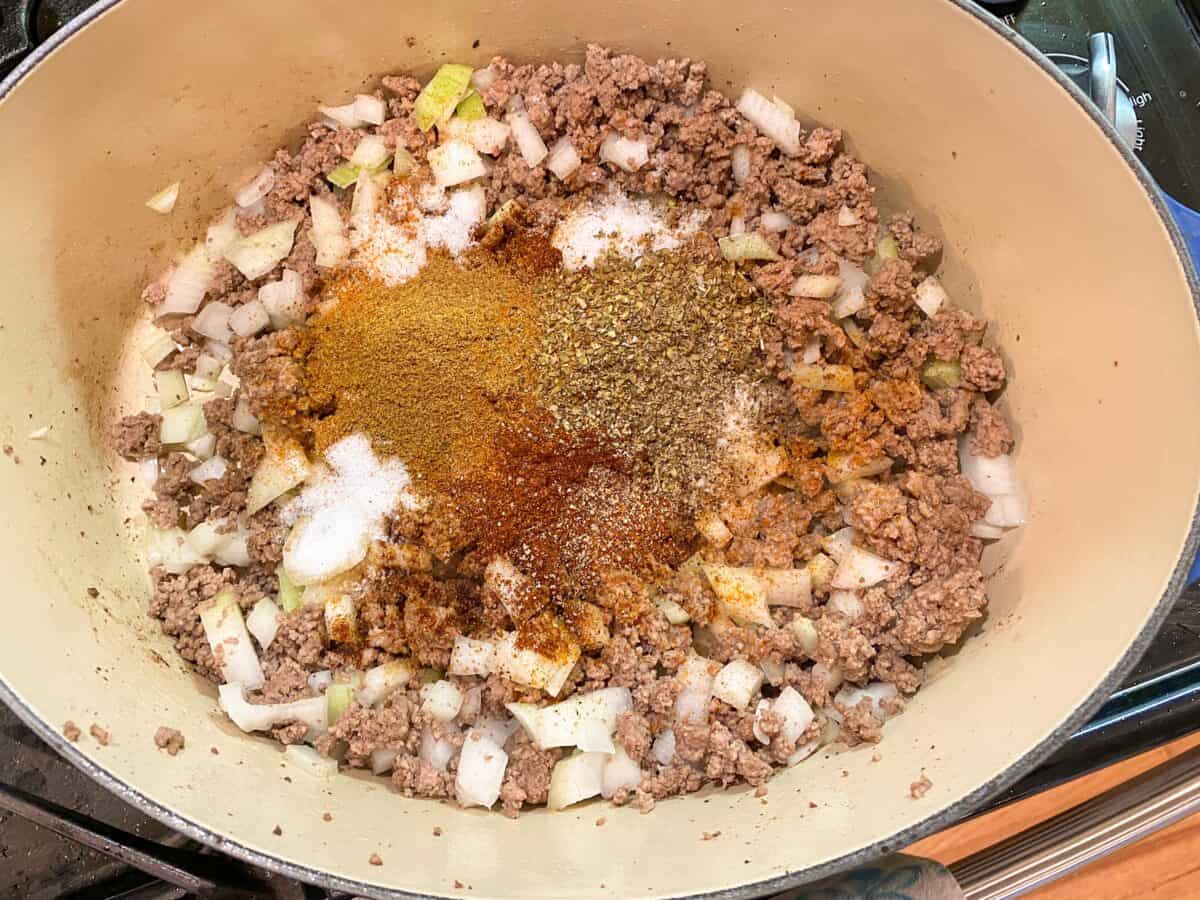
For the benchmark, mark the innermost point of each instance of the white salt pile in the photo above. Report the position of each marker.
(617, 223)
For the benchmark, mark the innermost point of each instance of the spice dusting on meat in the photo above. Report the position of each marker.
(546, 432)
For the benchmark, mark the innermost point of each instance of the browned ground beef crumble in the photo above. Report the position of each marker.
(919, 514)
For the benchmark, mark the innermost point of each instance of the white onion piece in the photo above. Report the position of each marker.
(772, 670)
(480, 770)
(482, 79)
(249, 319)
(575, 779)
(496, 730)
(256, 189)
(1006, 511)
(158, 348)
(383, 760)
(345, 115)
(696, 674)
(740, 163)
(620, 771)
(182, 424)
(164, 201)
(839, 543)
(213, 321)
(847, 217)
(812, 351)
(821, 287)
(437, 752)
(624, 153)
(532, 669)
(206, 539)
(773, 222)
(218, 350)
(256, 254)
(243, 419)
(931, 296)
(806, 634)
(226, 632)
(991, 475)
(847, 603)
(455, 162)
(663, 748)
(877, 692)
(741, 594)
(172, 388)
(312, 711)
(488, 135)
(441, 699)
(986, 531)
(528, 139)
(563, 159)
(830, 676)
(471, 656)
(860, 568)
(171, 550)
(788, 587)
(207, 371)
(320, 680)
(371, 152)
(328, 231)
(370, 110)
(263, 621)
(851, 297)
(737, 225)
(564, 724)
(188, 283)
(675, 614)
(235, 551)
(797, 715)
(381, 681)
(774, 122)
(737, 682)
(284, 466)
(306, 759)
(283, 299)
(210, 470)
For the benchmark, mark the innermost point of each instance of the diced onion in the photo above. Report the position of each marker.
(851, 297)
(931, 296)
(740, 163)
(256, 254)
(696, 675)
(263, 621)
(624, 153)
(821, 287)
(213, 321)
(158, 348)
(257, 188)
(207, 371)
(482, 79)
(741, 594)
(171, 551)
(566, 724)
(788, 587)
(737, 225)
(839, 543)
(381, 681)
(1006, 511)
(206, 539)
(746, 246)
(455, 162)
(991, 475)
(437, 752)
(528, 139)
(663, 748)
(806, 634)
(847, 217)
(488, 135)
(369, 109)
(243, 419)
(575, 779)
(220, 234)
(306, 759)
(774, 122)
(773, 222)
(249, 319)
(371, 152)
(481, 766)
(312, 711)
(675, 613)
(341, 616)
(164, 201)
(210, 470)
(283, 299)
(860, 568)
(847, 603)
(182, 424)
(812, 351)
(472, 657)
(737, 683)
(345, 115)
(791, 706)
(441, 699)
(235, 551)
(319, 681)
(470, 108)
(877, 692)
(188, 283)
(563, 158)
(986, 531)
(226, 632)
(172, 388)
(619, 772)
(284, 466)
(440, 96)
(328, 231)
(532, 669)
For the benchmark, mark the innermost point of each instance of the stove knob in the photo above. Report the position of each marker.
(1105, 90)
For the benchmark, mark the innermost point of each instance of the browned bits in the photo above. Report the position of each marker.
(71, 731)
(375, 859)
(100, 734)
(169, 739)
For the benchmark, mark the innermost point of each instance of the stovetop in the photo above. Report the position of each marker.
(1158, 62)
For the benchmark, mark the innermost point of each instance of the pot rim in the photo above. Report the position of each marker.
(938, 821)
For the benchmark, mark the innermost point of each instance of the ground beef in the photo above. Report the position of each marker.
(920, 787)
(102, 735)
(937, 613)
(992, 434)
(982, 368)
(365, 730)
(527, 777)
(136, 437)
(919, 248)
(71, 731)
(169, 739)
(633, 734)
(271, 375)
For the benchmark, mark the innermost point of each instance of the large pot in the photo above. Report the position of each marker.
(1053, 231)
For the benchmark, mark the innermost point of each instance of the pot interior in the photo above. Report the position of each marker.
(1048, 233)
